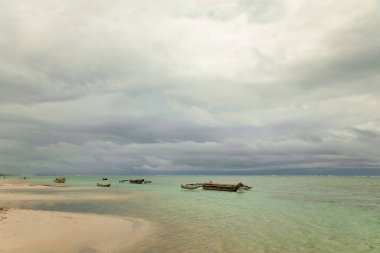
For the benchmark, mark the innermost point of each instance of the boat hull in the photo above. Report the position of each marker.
(222, 187)
(190, 186)
(139, 181)
(103, 185)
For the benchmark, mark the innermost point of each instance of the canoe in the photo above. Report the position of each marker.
(222, 187)
(136, 181)
(103, 185)
(190, 186)
(139, 181)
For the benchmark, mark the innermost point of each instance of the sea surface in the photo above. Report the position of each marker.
(286, 214)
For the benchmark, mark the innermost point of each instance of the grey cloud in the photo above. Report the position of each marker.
(345, 69)
(350, 54)
(52, 52)
(130, 86)
(123, 130)
(332, 151)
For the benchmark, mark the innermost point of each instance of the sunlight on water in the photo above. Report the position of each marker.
(280, 214)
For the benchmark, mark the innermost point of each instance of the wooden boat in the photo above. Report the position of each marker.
(139, 181)
(190, 186)
(60, 180)
(136, 181)
(103, 185)
(222, 187)
(104, 178)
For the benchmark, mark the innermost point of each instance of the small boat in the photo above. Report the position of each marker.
(60, 180)
(190, 186)
(222, 187)
(136, 181)
(103, 185)
(104, 178)
(139, 181)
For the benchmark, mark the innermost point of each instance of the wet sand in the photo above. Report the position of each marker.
(32, 231)
(19, 192)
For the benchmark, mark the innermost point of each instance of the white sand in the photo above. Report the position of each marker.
(20, 186)
(30, 231)
(16, 192)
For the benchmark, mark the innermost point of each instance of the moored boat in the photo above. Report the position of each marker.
(190, 186)
(222, 187)
(60, 180)
(103, 185)
(138, 181)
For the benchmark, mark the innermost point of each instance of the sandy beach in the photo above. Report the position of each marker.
(19, 192)
(32, 231)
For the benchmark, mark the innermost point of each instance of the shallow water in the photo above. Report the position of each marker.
(280, 214)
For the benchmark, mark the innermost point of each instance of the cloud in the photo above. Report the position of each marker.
(141, 86)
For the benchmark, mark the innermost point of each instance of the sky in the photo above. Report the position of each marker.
(211, 86)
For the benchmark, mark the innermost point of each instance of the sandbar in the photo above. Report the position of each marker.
(34, 231)
(10, 191)
(37, 231)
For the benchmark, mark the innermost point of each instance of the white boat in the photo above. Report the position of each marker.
(190, 186)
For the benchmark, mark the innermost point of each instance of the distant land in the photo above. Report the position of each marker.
(279, 172)
(322, 172)
(285, 172)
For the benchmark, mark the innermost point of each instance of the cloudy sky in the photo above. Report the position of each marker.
(118, 86)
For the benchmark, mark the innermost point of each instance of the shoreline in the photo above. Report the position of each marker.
(34, 231)
(17, 191)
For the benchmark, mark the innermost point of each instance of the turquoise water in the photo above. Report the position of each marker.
(280, 214)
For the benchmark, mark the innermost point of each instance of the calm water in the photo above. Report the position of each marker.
(280, 214)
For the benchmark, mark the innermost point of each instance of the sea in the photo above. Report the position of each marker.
(280, 214)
